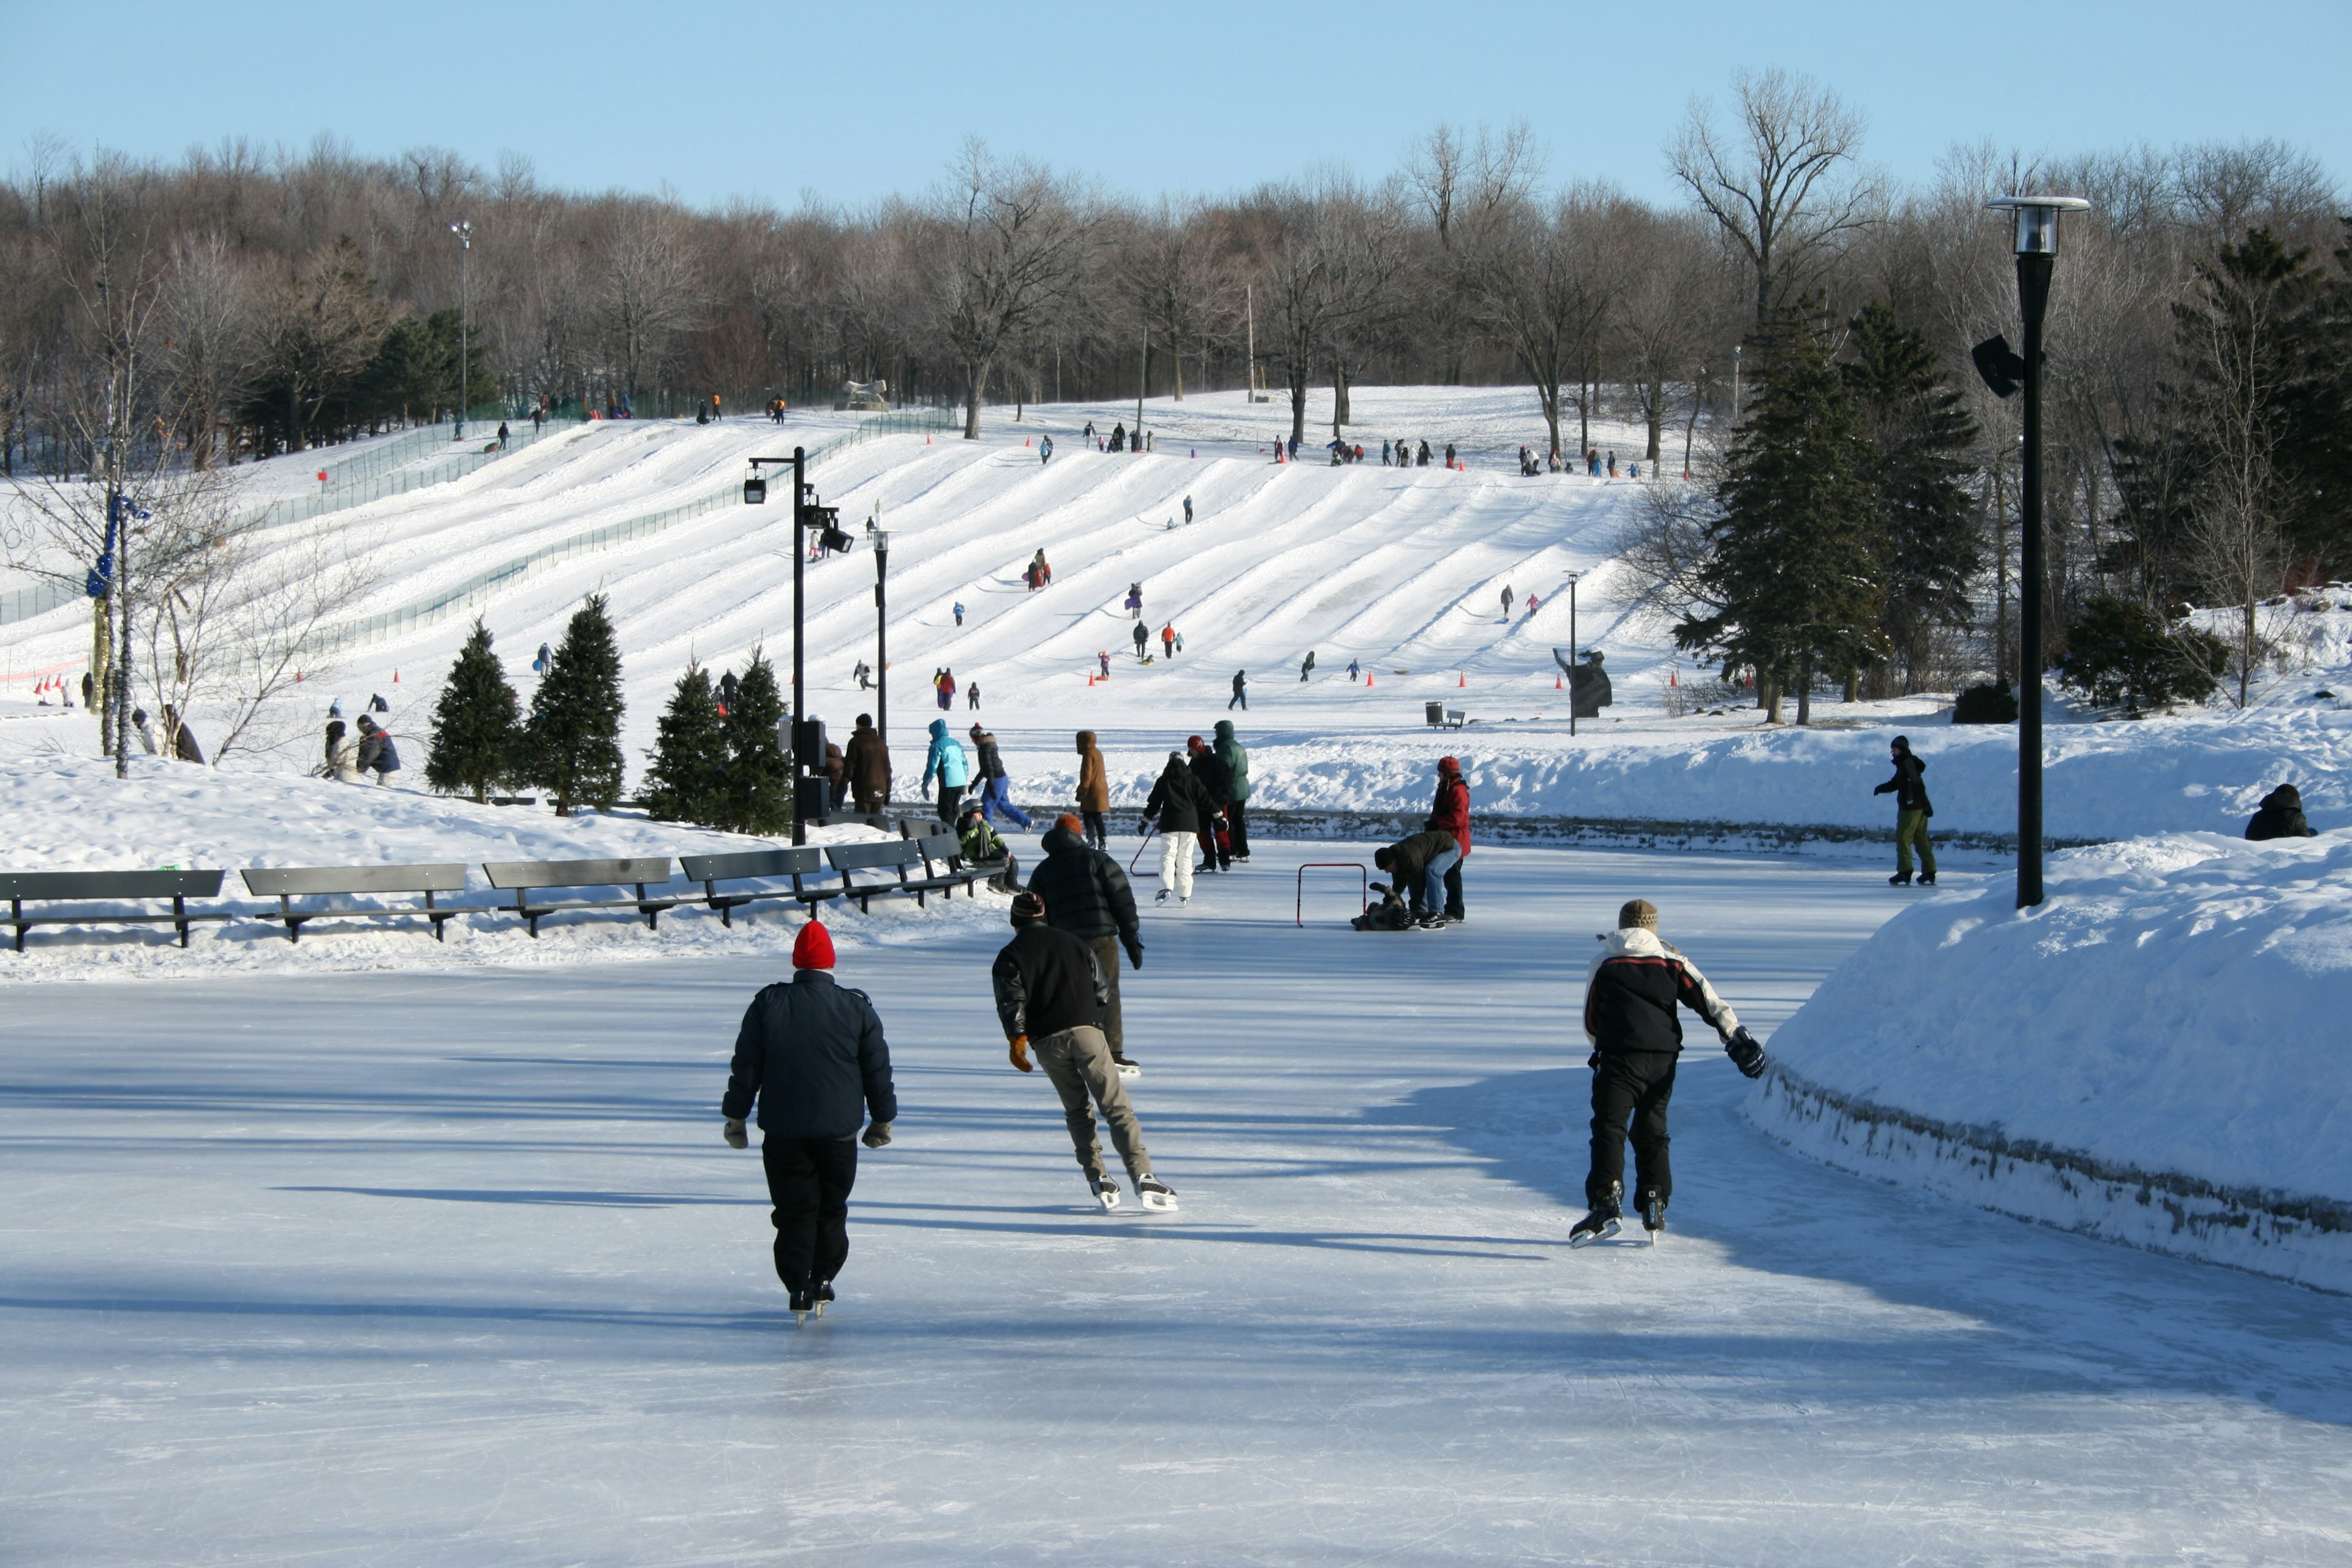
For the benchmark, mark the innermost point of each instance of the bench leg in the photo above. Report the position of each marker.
(432, 920)
(285, 913)
(16, 913)
(180, 917)
(726, 911)
(653, 917)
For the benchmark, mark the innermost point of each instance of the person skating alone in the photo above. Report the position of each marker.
(1237, 761)
(1176, 809)
(1240, 691)
(1094, 790)
(811, 1057)
(995, 784)
(1050, 995)
(1631, 991)
(1912, 811)
(1089, 897)
(953, 769)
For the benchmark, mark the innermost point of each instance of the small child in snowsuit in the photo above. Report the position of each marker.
(1636, 1036)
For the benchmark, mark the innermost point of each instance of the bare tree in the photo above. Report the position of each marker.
(318, 328)
(1544, 284)
(1782, 183)
(1465, 188)
(649, 293)
(208, 347)
(1013, 239)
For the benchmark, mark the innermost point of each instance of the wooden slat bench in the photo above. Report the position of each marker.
(79, 887)
(758, 864)
(524, 878)
(286, 883)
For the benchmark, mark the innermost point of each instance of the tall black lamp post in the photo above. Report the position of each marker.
(2004, 371)
(882, 652)
(807, 751)
(464, 233)
(1573, 577)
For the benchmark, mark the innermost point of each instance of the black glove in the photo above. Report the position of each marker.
(1745, 1053)
(876, 1135)
(1135, 954)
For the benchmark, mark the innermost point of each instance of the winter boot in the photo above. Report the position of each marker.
(1604, 1222)
(1155, 1193)
(1652, 1207)
(1106, 1190)
(1900, 880)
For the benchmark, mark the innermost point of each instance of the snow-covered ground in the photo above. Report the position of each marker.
(453, 1267)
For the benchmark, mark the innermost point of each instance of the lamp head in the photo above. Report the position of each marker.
(882, 541)
(2037, 220)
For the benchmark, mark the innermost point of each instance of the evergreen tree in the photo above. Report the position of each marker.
(474, 724)
(1920, 440)
(1794, 560)
(688, 781)
(572, 741)
(759, 797)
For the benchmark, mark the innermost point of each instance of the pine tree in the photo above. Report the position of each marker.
(688, 781)
(1795, 558)
(572, 741)
(475, 732)
(1920, 441)
(759, 797)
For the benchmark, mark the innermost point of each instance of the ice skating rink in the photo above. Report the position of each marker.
(416, 1268)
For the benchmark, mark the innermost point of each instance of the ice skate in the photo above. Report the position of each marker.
(1155, 1193)
(823, 1295)
(1161, 896)
(1605, 1220)
(1900, 880)
(1106, 1190)
(1430, 923)
(1652, 1208)
(1926, 878)
(804, 1303)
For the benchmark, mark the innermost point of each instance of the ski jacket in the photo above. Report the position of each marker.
(1237, 761)
(869, 762)
(1047, 981)
(1176, 804)
(1085, 891)
(992, 761)
(1632, 989)
(378, 754)
(980, 843)
(1450, 812)
(2281, 817)
(1910, 790)
(1216, 779)
(810, 1053)
(1093, 781)
(1241, 682)
(1409, 859)
(946, 759)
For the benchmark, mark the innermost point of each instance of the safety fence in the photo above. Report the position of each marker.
(392, 625)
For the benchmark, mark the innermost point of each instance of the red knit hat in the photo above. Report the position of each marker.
(1449, 764)
(813, 949)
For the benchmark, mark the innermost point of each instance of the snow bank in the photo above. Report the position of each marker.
(2158, 1055)
(70, 814)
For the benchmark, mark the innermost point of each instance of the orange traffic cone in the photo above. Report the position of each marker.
(1368, 678)
(1555, 683)
(1461, 680)
(395, 678)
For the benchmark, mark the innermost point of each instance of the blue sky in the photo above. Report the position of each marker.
(720, 99)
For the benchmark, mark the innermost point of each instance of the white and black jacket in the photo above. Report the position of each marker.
(1632, 989)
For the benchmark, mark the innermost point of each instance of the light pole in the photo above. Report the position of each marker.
(882, 653)
(808, 739)
(2037, 254)
(1573, 577)
(1735, 384)
(464, 230)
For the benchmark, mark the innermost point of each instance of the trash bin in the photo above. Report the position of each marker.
(1436, 712)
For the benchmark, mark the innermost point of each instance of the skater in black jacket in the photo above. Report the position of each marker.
(1635, 983)
(1050, 995)
(1912, 811)
(811, 1056)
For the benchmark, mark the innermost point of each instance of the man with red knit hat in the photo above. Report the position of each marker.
(811, 1054)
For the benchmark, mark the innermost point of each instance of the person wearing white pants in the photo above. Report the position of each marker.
(1177, 806)
(1176, 865)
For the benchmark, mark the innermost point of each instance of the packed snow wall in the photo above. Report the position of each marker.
(2158, 1055)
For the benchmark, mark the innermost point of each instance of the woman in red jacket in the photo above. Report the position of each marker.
(1451, 814)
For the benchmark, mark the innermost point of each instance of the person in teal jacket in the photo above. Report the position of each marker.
(1237, 761)
(947, 759)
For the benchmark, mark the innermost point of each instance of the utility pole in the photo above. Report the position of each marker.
(882, 642)
(464, 230)
(1142, 370)
(1249, 314)
(1571, 652)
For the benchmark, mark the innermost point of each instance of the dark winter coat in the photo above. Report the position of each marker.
(1409, 859)
(837, 765)
(869, 762)
(1085, 891)
(1237, 761)
(2281, 817)
(810, 1051)
(1216, 781)
(378, 754)
(1177, 804)
(1093, 781)
(1910, 790)
(992, 762)
(1636, 982)
(1450, 812)
(1047, 981)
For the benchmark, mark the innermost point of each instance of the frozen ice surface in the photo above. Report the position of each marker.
(428, 1268)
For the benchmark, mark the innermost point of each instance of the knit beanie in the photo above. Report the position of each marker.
(813, 949)
(1027, 908)
(1449, 764)
(1070, 820)
(1638, 913)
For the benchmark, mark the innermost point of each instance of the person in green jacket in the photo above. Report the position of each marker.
(1229, 752)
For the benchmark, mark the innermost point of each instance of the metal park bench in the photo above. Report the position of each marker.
(286, 883)
(890, 860)
(524, 878)
(757, 865)
(947, 849)
(1440, 716)
(81, 887)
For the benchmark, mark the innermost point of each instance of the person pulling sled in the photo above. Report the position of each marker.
(1635, 984)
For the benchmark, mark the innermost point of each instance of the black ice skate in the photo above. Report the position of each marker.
(1900, 880)
(1106, 1190)
(1605, 1220)
(824, 1294)
(1652, 1209)
(1926, 878)
(1155, 1193)
(804, 1303)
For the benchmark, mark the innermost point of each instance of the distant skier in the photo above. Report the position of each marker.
(1629, 993)
(1050, 993)
(538, 665)
(2281, 817)
(1912, 811)
(953, 769)
(1089, 897)
(1424, 460)
(1307, 667)
(946, 682)
(1240, 691)
(811, 1056)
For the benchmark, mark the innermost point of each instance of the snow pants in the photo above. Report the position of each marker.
(997, 797)
(1080, 1063)
(1106, 950)
(1176, 864)
(1910, 827)
(1237, 829)
(1635, 1084)
(809, 1180)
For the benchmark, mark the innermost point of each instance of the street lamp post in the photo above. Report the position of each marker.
(882, 652)
(2037, 254)
(807, 751)
(464, 230)
(1573, 577)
